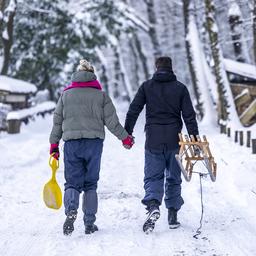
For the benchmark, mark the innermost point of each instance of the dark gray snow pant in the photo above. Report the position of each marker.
(82, 159)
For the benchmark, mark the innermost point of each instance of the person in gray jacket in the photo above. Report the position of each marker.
(81, 113)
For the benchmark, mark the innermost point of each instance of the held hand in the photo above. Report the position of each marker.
(128, 142)
(54, 151)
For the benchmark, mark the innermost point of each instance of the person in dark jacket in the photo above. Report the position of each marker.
(82, 112)
(167, 102)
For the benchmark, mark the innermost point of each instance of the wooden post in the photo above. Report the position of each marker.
(13, 126)
(254, 146)
(223, 129)
(248, 141)
(241, 138)
(229, 132)
(236, 136)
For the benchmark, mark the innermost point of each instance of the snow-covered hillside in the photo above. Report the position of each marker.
(29, 228)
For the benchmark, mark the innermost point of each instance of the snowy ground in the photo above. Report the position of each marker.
(29, 228)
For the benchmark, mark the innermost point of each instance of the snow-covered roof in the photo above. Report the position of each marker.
(16, 86)
(240, 68)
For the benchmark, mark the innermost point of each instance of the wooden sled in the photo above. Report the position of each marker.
(187, 157)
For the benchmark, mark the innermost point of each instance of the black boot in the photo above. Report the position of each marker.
(68, 226)
(172, 218)
(153, 216)
(89, 229)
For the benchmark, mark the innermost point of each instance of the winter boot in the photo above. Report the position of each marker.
(172, 218)
(89, 229)
(153, 216)
(68, 226)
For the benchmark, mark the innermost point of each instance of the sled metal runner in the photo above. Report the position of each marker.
(187, 156)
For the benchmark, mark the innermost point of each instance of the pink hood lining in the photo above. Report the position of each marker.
(92, 84)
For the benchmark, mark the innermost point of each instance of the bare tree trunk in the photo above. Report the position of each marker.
(104, 74)
(217, 58)
(187, 12)
(236, 22)
(117, 77)
(166, 35)
(136, 66)
(7, 38)
(254, 29)
(2, 7)
(120, 77)
(138, 47)
(152, 30)
(142, 56)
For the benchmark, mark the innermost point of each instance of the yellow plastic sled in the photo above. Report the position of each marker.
(52, 193)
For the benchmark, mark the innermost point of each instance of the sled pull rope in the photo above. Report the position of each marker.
(198, 231)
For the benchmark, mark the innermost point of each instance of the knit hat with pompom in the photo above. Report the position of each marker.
(85, 65)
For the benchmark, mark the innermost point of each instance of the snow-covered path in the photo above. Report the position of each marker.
(29, 228)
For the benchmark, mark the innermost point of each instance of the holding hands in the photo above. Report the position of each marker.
(128, 142)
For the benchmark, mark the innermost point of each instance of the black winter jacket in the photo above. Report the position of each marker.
(167, 102)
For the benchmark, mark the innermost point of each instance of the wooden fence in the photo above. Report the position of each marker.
(244, 138)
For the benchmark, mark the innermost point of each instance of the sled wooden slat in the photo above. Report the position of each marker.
(187, 155)
(192, 138)
(189, 146)
(198, 138)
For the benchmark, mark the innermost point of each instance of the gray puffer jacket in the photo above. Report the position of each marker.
(83, 113)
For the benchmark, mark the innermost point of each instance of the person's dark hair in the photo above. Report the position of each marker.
(163, 62)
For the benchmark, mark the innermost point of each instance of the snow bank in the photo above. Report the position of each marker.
(29, 228)
(23, 113)
(14, 85)
(240, 68)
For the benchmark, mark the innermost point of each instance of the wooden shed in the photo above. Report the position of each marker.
(242, 78)
(15, 92)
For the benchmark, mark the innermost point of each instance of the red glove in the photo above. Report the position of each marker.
(128, 142)
(54, 151)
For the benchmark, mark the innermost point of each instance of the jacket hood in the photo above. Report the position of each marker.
(91, 84)
(83, 76)
(164, 75)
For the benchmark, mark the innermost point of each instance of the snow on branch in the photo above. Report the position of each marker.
(40, 10)
(134, 17)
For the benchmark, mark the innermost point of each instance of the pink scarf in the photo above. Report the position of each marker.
(92, 84)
